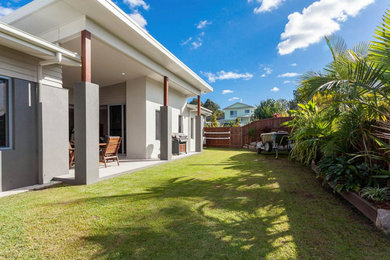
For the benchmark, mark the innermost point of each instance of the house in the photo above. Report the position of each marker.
(238, 110)
(85, 70)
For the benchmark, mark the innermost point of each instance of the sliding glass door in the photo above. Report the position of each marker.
(117, 124)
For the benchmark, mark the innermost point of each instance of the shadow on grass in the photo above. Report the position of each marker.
(269, 209)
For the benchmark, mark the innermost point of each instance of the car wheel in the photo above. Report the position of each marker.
(268, 147)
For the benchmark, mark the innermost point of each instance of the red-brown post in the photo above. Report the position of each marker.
(86, 56)
(199, 105)
(166, 90)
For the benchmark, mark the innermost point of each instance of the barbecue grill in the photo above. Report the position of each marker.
(179, 143)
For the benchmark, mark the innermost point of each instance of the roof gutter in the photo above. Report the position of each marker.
(62, 56)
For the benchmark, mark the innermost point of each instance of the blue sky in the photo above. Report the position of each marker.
(250, 49)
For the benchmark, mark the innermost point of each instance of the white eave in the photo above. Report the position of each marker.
(50, 53)
(112, 18)
(203, 110)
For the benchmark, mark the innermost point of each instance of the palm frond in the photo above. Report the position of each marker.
(380, 47)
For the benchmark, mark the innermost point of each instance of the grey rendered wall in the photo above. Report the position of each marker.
(20, 164)
(53, 132)
(136, 118)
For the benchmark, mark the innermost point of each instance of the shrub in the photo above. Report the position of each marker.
(310, 131)
(349, 174)
(251, 133)
(376, 193)
(214, 121)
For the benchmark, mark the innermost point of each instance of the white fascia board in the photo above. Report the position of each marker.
(203, 110)
(26, 45)
(29, 39)
(25, 11)
(113, 41)
(112, 7)
(65, 32)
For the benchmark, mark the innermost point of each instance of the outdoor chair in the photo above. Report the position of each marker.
(110, 151)
(71, 156)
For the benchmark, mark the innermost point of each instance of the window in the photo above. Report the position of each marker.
(233, 113)
(247, 111)
(192, 128)
(5, 104)
(180, 124)
(158, 125)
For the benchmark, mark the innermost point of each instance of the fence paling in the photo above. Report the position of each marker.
(237, 137)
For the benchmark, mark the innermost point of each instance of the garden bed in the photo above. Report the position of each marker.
(379, 213)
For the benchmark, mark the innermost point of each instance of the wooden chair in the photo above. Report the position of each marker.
(110, 152)
(71, 156)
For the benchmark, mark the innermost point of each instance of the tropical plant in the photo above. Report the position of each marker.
(237, 122)
(347, 173)
(214, 122)
(345, 114)
(380, 47)
(376, 193)
(309, 132)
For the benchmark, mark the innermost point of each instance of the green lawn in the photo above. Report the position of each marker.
(222, 204)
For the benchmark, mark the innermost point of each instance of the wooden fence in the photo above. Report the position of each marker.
(237, 137)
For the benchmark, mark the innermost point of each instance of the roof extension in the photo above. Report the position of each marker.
(238, 105)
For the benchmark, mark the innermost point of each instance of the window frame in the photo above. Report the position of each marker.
(9, 133)
(192, 128)
(158, 125)
(180, 125)
(233, 113)
(247, 111)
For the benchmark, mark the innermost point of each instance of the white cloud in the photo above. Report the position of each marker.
(287, 82)
(186, 41)
(275, 89)
(267, 71)
(321, 18)
(293, 64)
(137, 3)
(289, 75)
(5, 10)
(139, 19)
(196, 45)
(203, 24)
(233, 99)
(266, 5)
(226, 75)
(227, 91)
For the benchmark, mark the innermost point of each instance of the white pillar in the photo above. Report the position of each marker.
(199, 134)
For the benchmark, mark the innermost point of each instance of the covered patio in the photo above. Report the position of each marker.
(126, 166)
(128, 86)
(119, 112)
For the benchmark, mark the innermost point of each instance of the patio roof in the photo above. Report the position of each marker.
(107, 15)
(204, 111)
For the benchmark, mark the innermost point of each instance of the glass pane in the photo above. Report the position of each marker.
(116, 122)
(3, 113)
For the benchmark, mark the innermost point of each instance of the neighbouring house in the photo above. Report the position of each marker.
(73, 70)
(238, 110)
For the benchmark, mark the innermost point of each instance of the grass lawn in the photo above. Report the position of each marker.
(222, 204)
